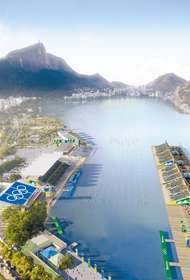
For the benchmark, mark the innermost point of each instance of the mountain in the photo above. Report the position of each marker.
(181, 98)
(32, 68)
(117, 84)
(174, 89)
(35, 58)
(166, 83)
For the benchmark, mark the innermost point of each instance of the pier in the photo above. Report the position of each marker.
(58, 225)
(172, 164)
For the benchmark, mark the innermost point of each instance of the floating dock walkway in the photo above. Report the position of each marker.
(176, 192)
(58, 225)
(71, 184)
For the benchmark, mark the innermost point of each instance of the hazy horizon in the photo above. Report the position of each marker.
(128, 41)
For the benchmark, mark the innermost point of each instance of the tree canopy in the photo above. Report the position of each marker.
(24, 265)
(22, 225)
(14, 177)
(10, 164)
(67, 262)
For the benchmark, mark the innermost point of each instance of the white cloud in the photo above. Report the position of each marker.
(11, 38)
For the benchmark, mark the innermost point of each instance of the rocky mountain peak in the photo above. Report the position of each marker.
(35, 58)
(37, 48)
(32, 58)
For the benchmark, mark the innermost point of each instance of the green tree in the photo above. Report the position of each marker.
(16, 234)
(67, 262)
(22, 225)
(39, 273)
(14, 177)
(7, 213)
(10, 164)
(36, 218)
(23, 264)
(5, 252)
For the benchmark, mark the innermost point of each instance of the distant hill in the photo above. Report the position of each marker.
(33, 71)
(181, 98)
(32, 68)
(118, 84)
(166, 83)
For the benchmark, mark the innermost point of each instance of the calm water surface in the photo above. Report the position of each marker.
(117, 210)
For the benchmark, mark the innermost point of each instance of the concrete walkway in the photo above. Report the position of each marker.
(82, 271)
(176, 214)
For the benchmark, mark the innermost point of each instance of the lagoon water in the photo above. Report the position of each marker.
(117, 210)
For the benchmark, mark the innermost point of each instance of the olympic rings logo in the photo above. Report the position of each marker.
(18, 193)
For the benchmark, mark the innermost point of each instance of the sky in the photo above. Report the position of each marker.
(133, 41)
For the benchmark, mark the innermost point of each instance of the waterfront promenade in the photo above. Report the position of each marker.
(61, 186)
(82, 271)
(174, 186)
(175, 215)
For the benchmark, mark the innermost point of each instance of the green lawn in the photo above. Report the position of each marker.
(1, 277)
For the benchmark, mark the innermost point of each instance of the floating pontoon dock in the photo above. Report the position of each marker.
(58, 226)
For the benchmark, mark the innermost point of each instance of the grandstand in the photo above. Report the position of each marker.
(54, 173)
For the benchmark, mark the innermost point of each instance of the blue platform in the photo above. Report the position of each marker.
(17, 194)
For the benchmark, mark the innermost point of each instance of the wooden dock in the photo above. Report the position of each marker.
(176, 214)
